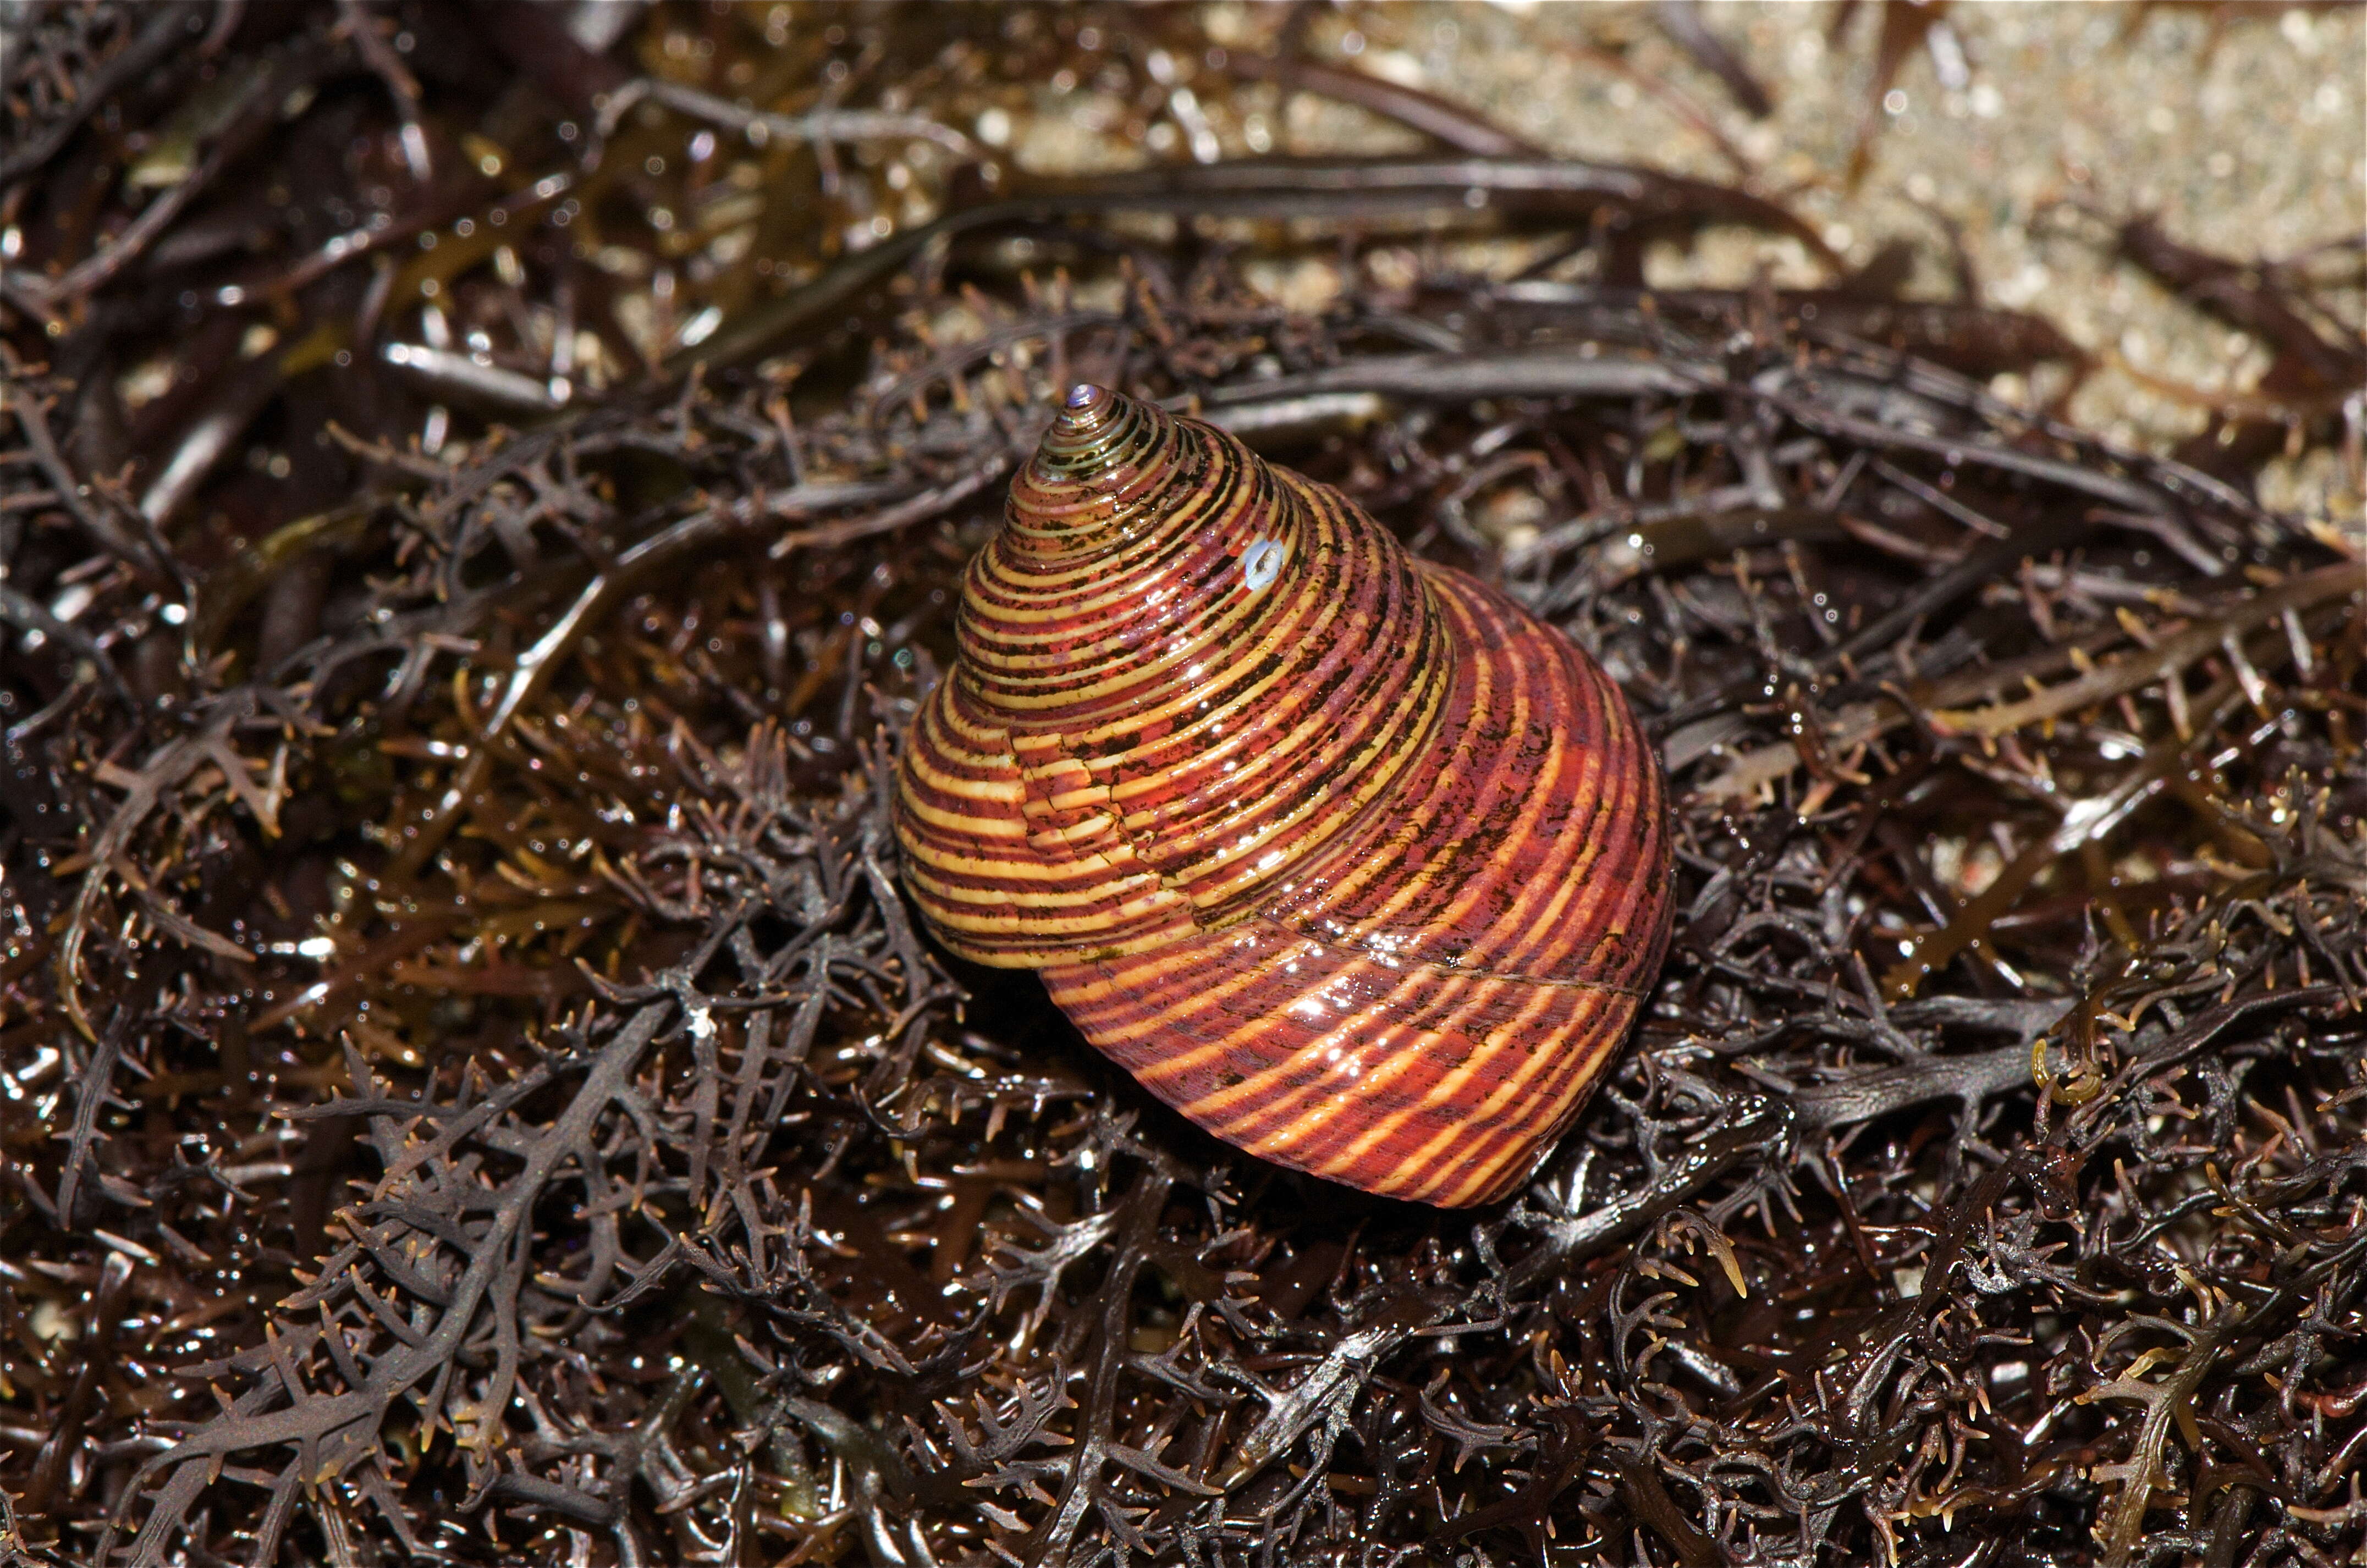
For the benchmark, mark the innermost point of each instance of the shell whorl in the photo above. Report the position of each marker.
(1339, 852)
(1174, 737)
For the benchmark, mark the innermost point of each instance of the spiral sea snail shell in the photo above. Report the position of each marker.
(1338, 851)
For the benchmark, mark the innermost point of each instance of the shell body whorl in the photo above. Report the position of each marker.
(1339, 852)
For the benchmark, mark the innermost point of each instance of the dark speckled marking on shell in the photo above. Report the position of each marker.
(1365, 869)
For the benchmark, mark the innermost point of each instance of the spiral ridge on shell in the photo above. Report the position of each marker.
(1339, 852)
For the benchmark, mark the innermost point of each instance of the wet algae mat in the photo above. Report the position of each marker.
(480, 503)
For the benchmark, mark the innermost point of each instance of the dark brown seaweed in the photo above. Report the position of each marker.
(470, 1089)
